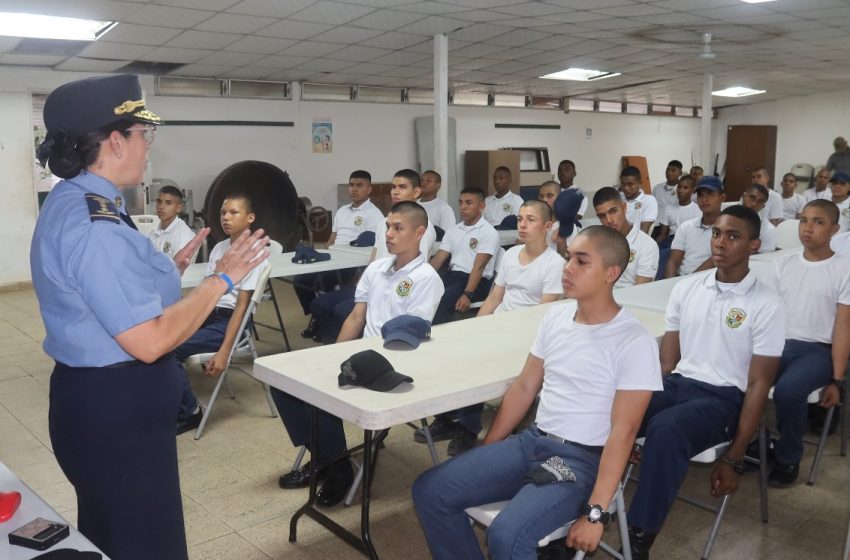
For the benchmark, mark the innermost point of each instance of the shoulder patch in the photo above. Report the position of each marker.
(101, 208)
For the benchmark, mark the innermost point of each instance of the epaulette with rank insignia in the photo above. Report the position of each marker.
(101, 208)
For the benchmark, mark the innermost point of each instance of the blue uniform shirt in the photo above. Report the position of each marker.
(94, 276)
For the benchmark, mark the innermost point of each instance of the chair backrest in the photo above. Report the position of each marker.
(804, 173)
(275, 248)
(787, 234)
(145, 223)
(500, 254)
(244, 340)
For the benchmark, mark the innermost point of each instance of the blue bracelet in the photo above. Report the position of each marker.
(226, 278)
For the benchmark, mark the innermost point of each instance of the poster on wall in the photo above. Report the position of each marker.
(323, 136)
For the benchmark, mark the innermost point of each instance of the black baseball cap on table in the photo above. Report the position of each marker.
(370, 370)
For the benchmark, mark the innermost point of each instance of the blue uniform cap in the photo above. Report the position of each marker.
(840, 177)
(566, 209)
(365, 239)
(304, 254)
(508, 223)
(408, 329)
(711, 183)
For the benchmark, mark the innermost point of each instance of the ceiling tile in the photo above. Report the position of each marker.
(114, 51)
(234, 23)
(168, 16)
(369, 68)
(481, 16)
(172, 54)
(395, 40)
(289, 29)
(280, 61)
(262, 45)
(216, 5)
(77, 64)
(293, 75)
(518, 37)
(347, 34)
(224, 58)
(140, 34)
(388, 20)
(269, 8)
(433, 25)
(202, 40)
(311, 48)
(431, 7)
(31, 59)
(202, 71)
(9, 43)
(333, 13)
(325, 65)
(109, 10)
(480, 32)
(404, 58)
(250, 73)
(359, 53)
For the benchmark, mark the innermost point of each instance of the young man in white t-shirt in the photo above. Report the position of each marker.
(401, 284)
(841, 198)
(725, 333)
(772, 210)
(815, 286)
(595, 367)
(820, 190)
(643, 251)
(792, 201)
(566, 176)
(642, 209)
(690, 250)
(503, 202)
(755, 198)
(674, 214)
(530, 272)
(440, 214)
(665, 193)
(219, 330)
(172, 233)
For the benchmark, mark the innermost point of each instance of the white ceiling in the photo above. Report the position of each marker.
(788, 47)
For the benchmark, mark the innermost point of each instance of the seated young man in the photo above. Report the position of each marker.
(820, 189)
(841, 198)
(642, 208)
(696, 172)
(675, 214)
(530, 272)
(468, 248)
(792, 201)
(566, 176)
(332, 308)
(172, 234)
(503, 202)
(643, 251)
(755, 198)
(817, 344)
(666, 193)
(719, 356)
(401, 284)
(595, 367)
(772, 210)
(349, 222)
(440, 214)
(219, 330)
(691, 247)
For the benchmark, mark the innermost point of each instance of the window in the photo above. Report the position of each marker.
(380, 94)
(470, 98)
(684, 111)
(581, 105)
(264, 90)
(194, 87)
(506, 100)
(538, 102)
(325, 92)
(424, 96)
(660, 109)
(610, 107)
(637, 108)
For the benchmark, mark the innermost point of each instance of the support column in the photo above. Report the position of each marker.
(441, 111)
(707, 156)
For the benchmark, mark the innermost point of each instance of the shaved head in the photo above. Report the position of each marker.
(611, 245)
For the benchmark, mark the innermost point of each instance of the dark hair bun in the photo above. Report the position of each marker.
(59, 153)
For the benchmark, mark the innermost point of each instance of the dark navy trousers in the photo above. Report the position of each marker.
(683, 420)
(455, 283)
(330, 310)
(295, 415)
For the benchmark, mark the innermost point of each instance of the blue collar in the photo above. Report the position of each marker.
(93, 183)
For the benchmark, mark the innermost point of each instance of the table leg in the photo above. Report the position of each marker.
(368, 470)
(311, 500)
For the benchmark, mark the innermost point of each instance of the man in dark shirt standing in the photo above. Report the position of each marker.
(840, 160)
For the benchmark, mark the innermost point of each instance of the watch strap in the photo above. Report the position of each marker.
(737, 466)
(604, 516)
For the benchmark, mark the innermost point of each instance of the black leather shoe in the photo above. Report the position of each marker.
(782, 475)
(556, 550)
(441, 430)
(333, 491)
(299, 478)
(190, 422)
(311, 329)
(640, 542)
(463, 440)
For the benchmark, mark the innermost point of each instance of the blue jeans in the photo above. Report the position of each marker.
(684, 419)
(803, 368)
(494, 473)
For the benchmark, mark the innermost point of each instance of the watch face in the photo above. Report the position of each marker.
(595, 514)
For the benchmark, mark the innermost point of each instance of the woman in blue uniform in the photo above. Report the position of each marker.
(113, 314)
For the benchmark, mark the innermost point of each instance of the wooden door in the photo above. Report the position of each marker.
(748, 148)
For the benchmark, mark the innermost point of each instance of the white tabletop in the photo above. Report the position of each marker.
(773, 255)
(507, 236)
(342, 257)
(464, 363)
(32, 506)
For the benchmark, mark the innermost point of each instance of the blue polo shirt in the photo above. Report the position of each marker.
(94, 276)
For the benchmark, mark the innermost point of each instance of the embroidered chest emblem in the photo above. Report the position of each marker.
(358, 221)
(473, 244)
(404, 287)
(506, 207)
(735, 318)
(638, 205)
(632, 256)
(166, 247)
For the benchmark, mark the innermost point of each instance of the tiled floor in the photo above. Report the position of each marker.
(235, 510)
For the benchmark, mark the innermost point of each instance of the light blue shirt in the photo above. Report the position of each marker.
(94, 276)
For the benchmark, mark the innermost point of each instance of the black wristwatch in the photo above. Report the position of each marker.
(738, 466)
(595, 514)
(468, 294)
(838, 382)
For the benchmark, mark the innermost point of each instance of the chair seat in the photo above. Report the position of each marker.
(813, 398)
(710, 455)
(239, 356)
(487, 513)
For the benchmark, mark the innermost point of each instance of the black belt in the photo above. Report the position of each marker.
(128, 363)
(596, 449)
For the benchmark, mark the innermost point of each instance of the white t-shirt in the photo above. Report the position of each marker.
(426, 244)
(643, 258)
(792, 206)
(767, 235)
(695, 240)
(465, 242)
(811, 311)
(173, 238)
(811, 194)
(840, 243)
(642, 208)
(497, 209)
(583, 368)
(773, 207)
(720, 330)
(844, 215)
(349, 222)
(415, 289)
(582, 209)
(673, 215)
(249, 283)
(439, 213)
(665, 195)
(525, 284)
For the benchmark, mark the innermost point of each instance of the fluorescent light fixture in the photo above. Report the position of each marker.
(737, 92)
(580, 75)
(52, 27)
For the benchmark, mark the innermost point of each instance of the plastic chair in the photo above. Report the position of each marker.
(275, 248)
(243, 352)
(145, 223)
(484, 515)
(847, 545)
(804, 173)
(787, 234)
(500, 254)
(709, 456)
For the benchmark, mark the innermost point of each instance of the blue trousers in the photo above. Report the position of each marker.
(803, 368)
(454, 283)
(295, 415)
(306, 285)
(330, 310)
(684, 419)
(494, 473)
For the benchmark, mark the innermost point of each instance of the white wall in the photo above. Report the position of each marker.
(375, 137)
(806, 127)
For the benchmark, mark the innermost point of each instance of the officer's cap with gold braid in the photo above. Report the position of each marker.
(87, 105)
